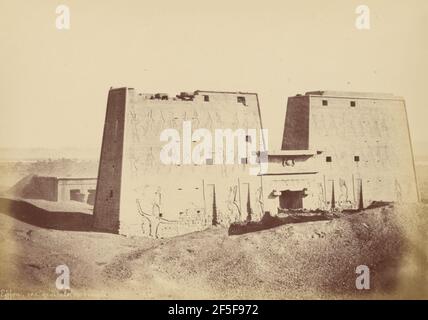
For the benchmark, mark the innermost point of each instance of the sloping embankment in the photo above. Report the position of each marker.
(306, 260)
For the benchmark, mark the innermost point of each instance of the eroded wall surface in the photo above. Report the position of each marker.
(161, 200)
(107, 199)
(364, 148)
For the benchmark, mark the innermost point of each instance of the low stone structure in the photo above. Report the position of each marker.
(56, 188)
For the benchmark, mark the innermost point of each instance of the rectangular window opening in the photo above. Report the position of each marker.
(241, 99)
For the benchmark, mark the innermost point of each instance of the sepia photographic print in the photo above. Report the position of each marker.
(213, 150)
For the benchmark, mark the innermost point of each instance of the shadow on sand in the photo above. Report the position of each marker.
(268, 222)
(28, 213)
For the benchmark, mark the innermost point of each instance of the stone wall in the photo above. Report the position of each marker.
(162, 200)
(107, 199)
(340, 151)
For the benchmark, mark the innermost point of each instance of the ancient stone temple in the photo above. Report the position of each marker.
(340, 150)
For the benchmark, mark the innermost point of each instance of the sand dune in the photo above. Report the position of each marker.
(306, 260)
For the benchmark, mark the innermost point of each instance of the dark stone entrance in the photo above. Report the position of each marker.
(291, 199)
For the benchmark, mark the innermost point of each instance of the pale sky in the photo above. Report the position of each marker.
(54, 83)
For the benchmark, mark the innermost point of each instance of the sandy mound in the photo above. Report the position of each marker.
(306, 260)
(27, 187)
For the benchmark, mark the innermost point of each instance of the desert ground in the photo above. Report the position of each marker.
(315, 259)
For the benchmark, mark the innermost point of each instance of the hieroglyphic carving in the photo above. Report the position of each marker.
(233, 205)
(398, 193)
(153, 221)
(260, 202)
(343, 192)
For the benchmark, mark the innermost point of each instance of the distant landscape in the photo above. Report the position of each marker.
(16, 164)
